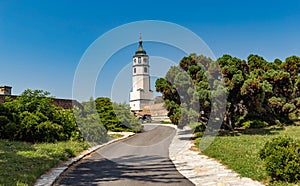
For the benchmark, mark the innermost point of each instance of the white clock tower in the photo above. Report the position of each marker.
(141, 94)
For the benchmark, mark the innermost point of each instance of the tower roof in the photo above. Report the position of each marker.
(140, 51)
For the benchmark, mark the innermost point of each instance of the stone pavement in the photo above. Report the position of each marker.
(200, 169)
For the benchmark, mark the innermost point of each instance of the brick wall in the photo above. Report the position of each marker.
(66, 103)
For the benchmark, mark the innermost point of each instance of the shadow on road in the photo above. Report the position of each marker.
(97, 170)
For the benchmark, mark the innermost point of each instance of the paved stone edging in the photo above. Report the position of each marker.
(50, 177)
(200, 169)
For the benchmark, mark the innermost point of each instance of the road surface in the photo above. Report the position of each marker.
(140, 160)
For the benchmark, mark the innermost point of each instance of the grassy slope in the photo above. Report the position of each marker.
(22, 163)
(240, 153)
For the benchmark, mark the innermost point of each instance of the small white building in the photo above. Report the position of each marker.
(141, 94)
(5, 90)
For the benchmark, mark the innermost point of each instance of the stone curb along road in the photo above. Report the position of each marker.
(198, 168)
(51, 176)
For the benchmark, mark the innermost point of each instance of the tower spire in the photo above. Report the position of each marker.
(140, 50)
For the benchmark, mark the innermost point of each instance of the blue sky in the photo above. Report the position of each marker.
(42, 42)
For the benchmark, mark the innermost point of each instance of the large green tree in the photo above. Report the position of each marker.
(259, 93)
(188, 90)
(32, 117)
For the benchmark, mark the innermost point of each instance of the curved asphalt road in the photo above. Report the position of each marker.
(140, 160)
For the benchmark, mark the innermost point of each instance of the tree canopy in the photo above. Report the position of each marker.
(259, 93)
(32, 117)
(116, 116)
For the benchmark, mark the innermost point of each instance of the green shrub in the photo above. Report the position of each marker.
(3, 122)
(127, 122)
(7, 128)
(197, 126)
(92, 129)
(32, 117)
(281, 157)
(254, 124)
(249, 121)
(49, 132)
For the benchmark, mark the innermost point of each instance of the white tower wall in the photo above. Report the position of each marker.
(141, 93)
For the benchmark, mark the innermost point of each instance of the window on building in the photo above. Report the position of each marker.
(145, 60)
(139, 60)
(134, 70)
(145, 69)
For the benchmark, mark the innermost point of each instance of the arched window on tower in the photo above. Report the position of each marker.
(145, 69)
(134, 70)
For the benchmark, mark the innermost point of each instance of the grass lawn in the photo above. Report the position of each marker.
(240, 152)
(22, 163)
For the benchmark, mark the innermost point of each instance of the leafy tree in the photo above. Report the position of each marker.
(32, 117)
(107, 115)
(125, 117)
(259, 93)
(90, 125)
(186, 90)
(116, 117)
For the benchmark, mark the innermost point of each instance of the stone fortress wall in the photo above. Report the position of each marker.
(5, 91)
